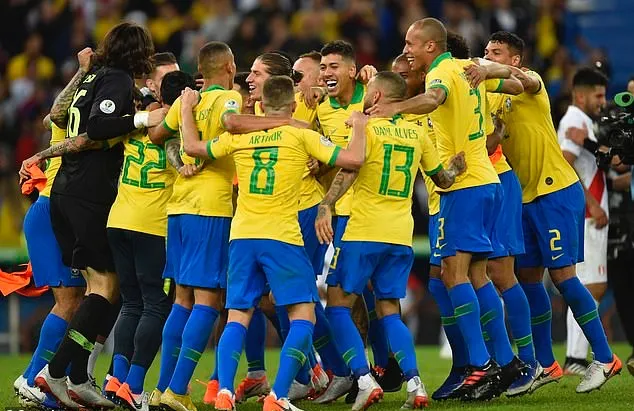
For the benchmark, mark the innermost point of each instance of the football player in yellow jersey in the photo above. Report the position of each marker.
(270, 165)
(465, 236)
(553, 215)
(382, 254)
(44, 252)
(500, 266)
(137, 227)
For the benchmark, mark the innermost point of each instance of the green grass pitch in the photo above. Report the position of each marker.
(617, 394)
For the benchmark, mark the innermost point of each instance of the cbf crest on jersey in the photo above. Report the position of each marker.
(507, 104)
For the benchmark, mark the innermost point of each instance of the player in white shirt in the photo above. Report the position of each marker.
(588, 98)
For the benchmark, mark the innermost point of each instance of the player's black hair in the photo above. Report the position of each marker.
(279, 64)
(173, 83)
(212, 56)
(241, 80)
(515, 43)
(164, 59)
(589, 77)
(278, 92)
(340, 47)
(128, 47)
(457, 46)
(313, 55)
(393, 85)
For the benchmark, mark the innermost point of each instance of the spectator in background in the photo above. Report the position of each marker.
(31, 58)
(109, 14)
(320, 16)
(221, 24)
(166, 23)
(505, 17)
(460, 18)
(245, 43)
(630, 85)
(262, 15)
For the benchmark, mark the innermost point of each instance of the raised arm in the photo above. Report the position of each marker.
(192, 145)
(247, 123)
(59, 110)
(530, 83)
(495, 138)
(421, 104)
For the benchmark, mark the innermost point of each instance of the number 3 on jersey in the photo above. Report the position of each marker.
(263, 165)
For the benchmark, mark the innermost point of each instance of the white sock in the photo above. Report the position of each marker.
(256, 374)
(365, 382)
(92, 360)
(576, 343)
(413, 383)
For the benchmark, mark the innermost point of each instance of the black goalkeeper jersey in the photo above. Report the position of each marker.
(102, 106)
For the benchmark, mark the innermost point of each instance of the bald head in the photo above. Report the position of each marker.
(431, 29)
(414, 79)
(425, 40)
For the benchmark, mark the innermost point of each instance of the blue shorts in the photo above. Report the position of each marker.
(286, 268)
(197, 250)
(44, 252)
(434, 252)
(387, 265)
(508, 227)
(553, 229)
(316, 252)
(341, 222)
(467, 218)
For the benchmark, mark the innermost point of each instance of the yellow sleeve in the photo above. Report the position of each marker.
(489, 127)
(494, 85)
(320, 147)
(429, 159)
(229, 102)
(170, 123)
(220, 146)
(538, 77)
(438, 78)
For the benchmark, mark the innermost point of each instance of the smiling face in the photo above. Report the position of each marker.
(337, 73)
(256, 79)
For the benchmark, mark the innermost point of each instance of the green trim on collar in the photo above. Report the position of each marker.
(438, 59)
(357, 97)
(213, 87)
(395, 117)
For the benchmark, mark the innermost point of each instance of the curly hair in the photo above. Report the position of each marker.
(127, 47)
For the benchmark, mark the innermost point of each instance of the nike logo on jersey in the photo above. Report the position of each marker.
(437, 255)
(555, 257)
(441, 246)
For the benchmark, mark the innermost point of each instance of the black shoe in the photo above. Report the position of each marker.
(576, 366)
(630, 364)
(352, 394)
(511, 372)
(389, 378)
(481, 384)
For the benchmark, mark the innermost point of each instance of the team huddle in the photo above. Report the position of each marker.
(185, 204)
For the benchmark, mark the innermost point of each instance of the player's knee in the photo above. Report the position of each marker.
(302, 311)
(387, 307)
(240, 316)
(184, 297)
(559, 275)
(209, 297)
(67, 300)
(336, 297)
(531, 274)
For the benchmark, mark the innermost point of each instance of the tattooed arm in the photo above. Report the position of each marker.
(323, 223)
(173, 151)
(446, 177)
(59, 111)
(69, 145)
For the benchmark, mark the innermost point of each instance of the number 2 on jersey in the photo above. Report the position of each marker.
(478, 111)
(144, 182)
(263, 165)
(389, 149)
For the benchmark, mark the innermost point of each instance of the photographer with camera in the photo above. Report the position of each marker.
(613, 147)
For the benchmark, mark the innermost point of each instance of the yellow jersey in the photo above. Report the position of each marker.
(270, 165)
(531, 144)
(145, 187)
(332, 120)
(209, 192)
(53, 164)
(460, 122)
(311, 190)
(433, 198)
(382, 200)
